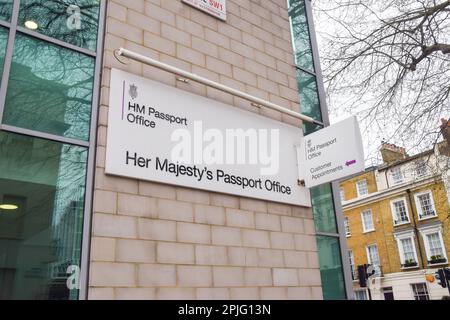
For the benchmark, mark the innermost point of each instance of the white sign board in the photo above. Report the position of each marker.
(216, 8)
(160, 133)
(331, 154)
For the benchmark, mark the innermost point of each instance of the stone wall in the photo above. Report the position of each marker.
(155, 241)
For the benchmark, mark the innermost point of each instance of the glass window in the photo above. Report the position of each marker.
(309, 99)
(367, 221)
(323, 209)
(3, 43)
(72, 21)
(388, 293)
(300, 34)
(361, 295)
(425, 205)
(348, 232)
(6, 9)
(435, 245)
(361, 187)
(420, 291)
(421, 168)
(399, 211)
(374, 258)
(397, 175)
(42, 185)
(351, 259)
(331, 268)
(409, 256)
(342, 194)
(50, 89)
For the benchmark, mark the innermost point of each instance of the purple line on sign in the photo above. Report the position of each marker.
(123, 101)
(349, 163)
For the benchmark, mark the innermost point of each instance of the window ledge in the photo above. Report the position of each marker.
(437, 264)
(401, 223)
(410, 268)
(427, 217)
(369, 231)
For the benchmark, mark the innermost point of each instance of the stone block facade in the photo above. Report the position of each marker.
(156, 241)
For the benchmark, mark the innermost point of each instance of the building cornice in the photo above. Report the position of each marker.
(395, 191)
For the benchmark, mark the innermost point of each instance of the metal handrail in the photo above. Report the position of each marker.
(188, 75)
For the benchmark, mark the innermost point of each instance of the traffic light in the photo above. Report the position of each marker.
(447, 274)
(370, 270)
(362, 276)
(440, 277)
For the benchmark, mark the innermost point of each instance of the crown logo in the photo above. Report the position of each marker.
(133, 91)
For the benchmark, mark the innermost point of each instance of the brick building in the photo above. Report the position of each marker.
(68, 230)
(397, 219)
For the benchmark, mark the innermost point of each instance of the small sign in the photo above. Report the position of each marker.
(216, 8)
(331, 154)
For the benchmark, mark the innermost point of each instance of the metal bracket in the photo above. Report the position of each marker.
(184, 80)
(219, 86)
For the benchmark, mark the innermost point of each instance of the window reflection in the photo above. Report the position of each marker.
(50, 89)
(331, 268)
(42, 237)
(309, 99)
(303, 53)
(3, 43)
(6, 9)
(323, 208)
(72, 21)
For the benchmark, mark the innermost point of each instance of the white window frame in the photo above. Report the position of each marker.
(377, 267)
(399, 236)
(419, 207)
(422, 284)
(351, 259)
(366, 187)
(424, 231)
(418, 165)
(342, 194)
(396, 174)
(348, 232)
(361, 292)
(363, 221)
(394, 213)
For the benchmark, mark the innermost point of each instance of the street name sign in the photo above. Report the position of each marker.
(163, 134)
(216, 8)
(331, 154)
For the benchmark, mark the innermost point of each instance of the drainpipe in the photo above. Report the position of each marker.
(386, 176)
(416, 231)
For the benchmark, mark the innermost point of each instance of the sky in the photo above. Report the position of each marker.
(373, 135)
(370, 141)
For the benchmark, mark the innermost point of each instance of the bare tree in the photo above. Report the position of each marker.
(388, 62)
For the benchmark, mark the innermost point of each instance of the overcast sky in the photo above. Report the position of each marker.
(370, 140)
(372, 134)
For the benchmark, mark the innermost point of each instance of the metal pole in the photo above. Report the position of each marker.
(154, 63)
(447, 280)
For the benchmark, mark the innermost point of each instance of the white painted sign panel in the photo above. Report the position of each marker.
(331, 154)
(160, 133)
(216, 8)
